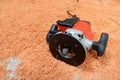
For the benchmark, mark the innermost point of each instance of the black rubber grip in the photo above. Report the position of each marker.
(101, 45)
(52, 31)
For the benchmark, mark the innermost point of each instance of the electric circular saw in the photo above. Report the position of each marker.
(70, 40)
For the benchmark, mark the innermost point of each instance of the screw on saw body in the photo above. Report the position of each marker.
(71, 39)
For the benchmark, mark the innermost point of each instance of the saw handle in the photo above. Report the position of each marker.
(52, 31)
(100, 46)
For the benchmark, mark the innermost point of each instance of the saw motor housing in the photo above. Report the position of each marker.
(71, 39)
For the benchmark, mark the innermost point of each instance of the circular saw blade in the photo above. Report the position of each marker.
(78, 50)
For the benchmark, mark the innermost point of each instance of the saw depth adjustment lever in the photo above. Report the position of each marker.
(70, 40)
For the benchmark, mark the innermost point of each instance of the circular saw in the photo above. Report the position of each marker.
(70, 40)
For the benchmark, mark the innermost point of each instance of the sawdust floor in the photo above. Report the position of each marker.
(24, 52)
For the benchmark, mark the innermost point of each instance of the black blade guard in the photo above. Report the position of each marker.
(76, 53)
